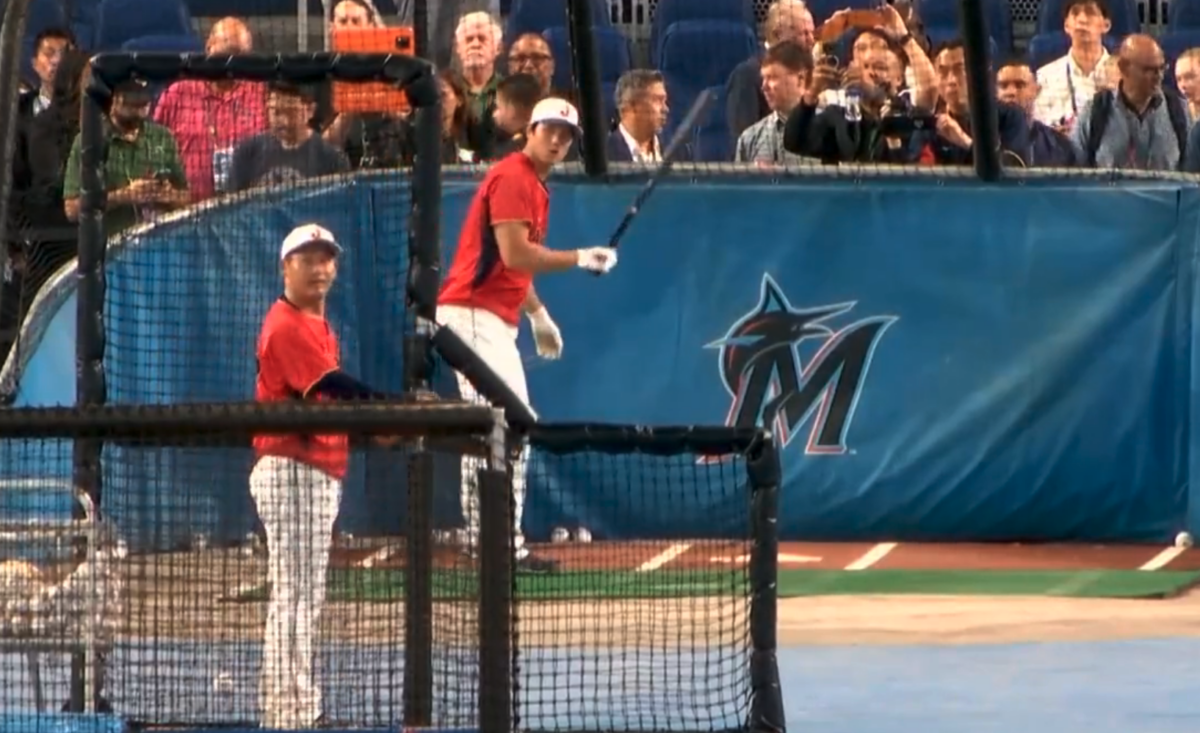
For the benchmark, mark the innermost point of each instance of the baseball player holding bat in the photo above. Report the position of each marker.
(296, 482)
(490, 283)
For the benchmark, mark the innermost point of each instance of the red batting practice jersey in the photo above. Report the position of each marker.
(478, 278)
(295, 350)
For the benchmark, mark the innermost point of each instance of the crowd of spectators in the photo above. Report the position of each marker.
(855, 87)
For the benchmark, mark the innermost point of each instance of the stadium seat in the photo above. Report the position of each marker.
(1124, 14)
(712, 145)
(1173, 44)
(535, 16)
(118, 21)
(1046, 47)
(612, 50)
(269, 8)
(943, 14)
(683, 93)
(670, 12)
(822, 9)
(164, 44)
(704, 52)
(1183, 15)
(939, 36)
(42, 14)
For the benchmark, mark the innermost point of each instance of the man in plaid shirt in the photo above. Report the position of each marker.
(786, 72)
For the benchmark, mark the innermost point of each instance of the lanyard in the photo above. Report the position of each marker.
(1071, 89)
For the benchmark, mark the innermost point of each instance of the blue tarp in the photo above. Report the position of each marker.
(942, 362)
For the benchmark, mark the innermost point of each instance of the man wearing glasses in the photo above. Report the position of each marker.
(1138, 125)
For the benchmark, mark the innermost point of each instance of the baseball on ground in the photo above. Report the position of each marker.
(1183, 539)
(560, 535)
(583, 535)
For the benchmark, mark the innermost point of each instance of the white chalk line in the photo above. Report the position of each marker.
(664, 557)
(873, 555)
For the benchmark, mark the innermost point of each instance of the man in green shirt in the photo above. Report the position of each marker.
(143, 175)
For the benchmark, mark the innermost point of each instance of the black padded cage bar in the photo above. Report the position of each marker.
(108, 71)
(500, 691)
(29, 435)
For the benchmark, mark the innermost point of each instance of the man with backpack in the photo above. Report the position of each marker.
(1138, 125)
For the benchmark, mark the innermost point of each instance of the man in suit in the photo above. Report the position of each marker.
(641, 101)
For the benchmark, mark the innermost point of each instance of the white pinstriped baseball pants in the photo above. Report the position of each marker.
(298, 505)
(496, 342)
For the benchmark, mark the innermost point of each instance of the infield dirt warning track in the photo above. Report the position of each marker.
(690, 555)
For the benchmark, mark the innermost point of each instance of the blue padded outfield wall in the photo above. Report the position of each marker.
(942, 360)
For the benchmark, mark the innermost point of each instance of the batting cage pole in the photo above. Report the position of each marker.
(110, 70)
(984, 122)
(764, 471)
(424, 279)
(91, 383)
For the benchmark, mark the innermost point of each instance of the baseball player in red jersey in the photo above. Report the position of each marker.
(297, 480)
(490, 282)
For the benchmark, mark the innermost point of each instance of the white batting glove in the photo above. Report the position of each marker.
(546, 334)
(598, 259)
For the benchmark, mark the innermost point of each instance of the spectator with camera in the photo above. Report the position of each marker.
(880, 30)
(870, 122)
(953, 141)
(1048, 148)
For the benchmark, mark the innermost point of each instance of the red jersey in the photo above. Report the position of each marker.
(478, 278)
(295, 350)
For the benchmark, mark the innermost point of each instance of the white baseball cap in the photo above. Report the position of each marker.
(307, 234)
(556, 110)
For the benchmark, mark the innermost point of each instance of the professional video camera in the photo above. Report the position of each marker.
(900, 117)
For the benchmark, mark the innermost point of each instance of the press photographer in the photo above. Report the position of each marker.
(871, 119)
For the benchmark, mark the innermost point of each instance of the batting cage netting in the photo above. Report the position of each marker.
(671, 634)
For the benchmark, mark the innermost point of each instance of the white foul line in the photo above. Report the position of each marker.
(1164, 558)
(872, 556)
(663, 557)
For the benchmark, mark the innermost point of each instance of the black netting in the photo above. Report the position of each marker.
(181, 628)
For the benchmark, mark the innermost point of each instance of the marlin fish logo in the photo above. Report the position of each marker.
(771, 384)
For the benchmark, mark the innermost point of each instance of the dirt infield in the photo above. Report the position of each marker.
(699, 554)
(188, 595)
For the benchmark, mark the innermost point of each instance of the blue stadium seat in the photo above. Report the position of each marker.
(940, 35)
(822, 9)
(118, 21)
(1173, 44)
(1045, 47)
(612, 50)
(535, 16)
(712, 145)
(944, 14)
(164, 44)
(1124, 14)
(670, 12)
(272, 8)
(682, 94)
(1183, 15)
(704, 52)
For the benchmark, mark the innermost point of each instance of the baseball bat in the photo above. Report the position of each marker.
(699, 107)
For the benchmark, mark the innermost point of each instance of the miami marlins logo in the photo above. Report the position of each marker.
(781, 364)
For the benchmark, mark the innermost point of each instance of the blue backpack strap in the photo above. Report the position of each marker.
(1179, 121)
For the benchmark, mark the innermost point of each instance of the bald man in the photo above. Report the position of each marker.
(209, 118)
(1139, 125)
